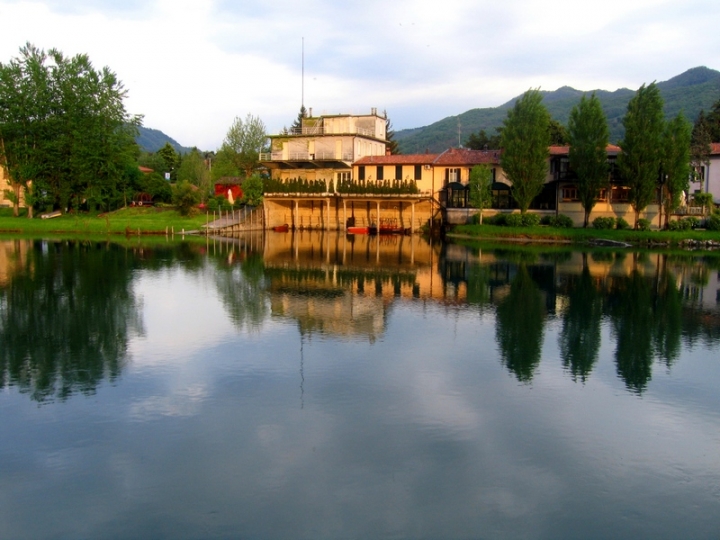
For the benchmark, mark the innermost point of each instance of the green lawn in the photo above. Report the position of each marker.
(125, 221)
(580, 235)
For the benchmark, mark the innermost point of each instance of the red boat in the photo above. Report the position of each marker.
(372, 229)
(281, 228)
(390, 226)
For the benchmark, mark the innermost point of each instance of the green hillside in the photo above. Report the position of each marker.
(696, 89)
(152, 140)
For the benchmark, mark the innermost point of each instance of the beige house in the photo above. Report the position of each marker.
(325, 147)
(5, 185)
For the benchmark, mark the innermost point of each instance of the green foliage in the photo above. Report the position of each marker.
(514, 220)
(253, 191)
(156, 186)
(603, 223)
(530, 220)
(243, 143)
(643, 224)
(588, 134)
(712, 223)
(525, 141)
(675, 162)
(390, 142)
(169, 160)
(703, 199)
(557, 133)
(297, 123)
(561, 221)
(193, 169)
(480, 184)
(497, 219)
(641, 155)
(621, 224)
(186, 197)
(481, 141)
(684, 224)
(64, 127)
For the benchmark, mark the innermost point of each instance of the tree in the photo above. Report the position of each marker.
(480, 187)
(700, 146)
(185, 197)
(525, 140)
(639, 162)
(193, 169)
(253, 191)
(481, 141)
(244, 142)
(390, 142)
(170, 161)
(588, 135)
(675, 163)
(64, 129)
(296, 126)
(558, 133)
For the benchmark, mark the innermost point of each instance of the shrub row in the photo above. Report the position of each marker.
(684, 224)
(528, 220)
(612, 223)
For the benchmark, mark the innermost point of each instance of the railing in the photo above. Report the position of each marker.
(320, 130)
(306, 156)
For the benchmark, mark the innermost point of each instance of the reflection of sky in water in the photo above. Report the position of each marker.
(215, 430)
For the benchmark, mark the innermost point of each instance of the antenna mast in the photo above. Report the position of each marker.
(302, 84)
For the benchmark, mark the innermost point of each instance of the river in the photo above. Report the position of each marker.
(328, 386)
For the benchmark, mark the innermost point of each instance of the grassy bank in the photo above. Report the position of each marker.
(583, 236)
(125, 221)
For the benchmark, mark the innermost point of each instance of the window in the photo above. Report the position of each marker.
(361, 172)
(620, 194)
(398, 172)
(570, 193)
(418, 172)
(452, 175)
(380, 173)
(342, 176)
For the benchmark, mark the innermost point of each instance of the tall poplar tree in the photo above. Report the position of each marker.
(675, 162)
(641, 155)
(588, 134)
(524, 141)
(244, 142)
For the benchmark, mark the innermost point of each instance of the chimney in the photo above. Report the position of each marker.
(310, 112)
(373, 111)
(388, 152)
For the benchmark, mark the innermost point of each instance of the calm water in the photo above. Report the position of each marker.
(316, 387)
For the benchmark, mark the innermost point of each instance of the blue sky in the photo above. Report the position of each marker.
(192, 66)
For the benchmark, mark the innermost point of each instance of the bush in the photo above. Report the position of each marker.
(186, 197)
(497, 219)
(713, 222)
(643, 224)
(621, 224)
(693, 221)
(547, 220)
(562, 221)
(514, 220)
(603, 222)
(530, 220)
(683, 224)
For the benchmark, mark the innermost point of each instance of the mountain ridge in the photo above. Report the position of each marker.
(691, 91)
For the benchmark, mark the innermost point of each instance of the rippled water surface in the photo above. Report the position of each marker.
(321, 386)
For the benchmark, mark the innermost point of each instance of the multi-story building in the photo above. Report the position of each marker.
(325, 147)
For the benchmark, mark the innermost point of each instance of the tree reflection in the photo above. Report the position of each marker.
(65, 322)
(631, 314)
(580, 335)
(519, 327)
(667, 315)
(242, 291)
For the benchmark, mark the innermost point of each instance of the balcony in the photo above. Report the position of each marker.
(306, 156)
(320, 130)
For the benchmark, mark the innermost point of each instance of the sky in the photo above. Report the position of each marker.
(191, 67)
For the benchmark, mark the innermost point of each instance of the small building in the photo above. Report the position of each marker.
(229, 185)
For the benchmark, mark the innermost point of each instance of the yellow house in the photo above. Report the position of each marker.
(5, 185)
(325, 146)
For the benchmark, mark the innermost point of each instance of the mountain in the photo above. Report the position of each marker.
(696, 89)
(152, 140)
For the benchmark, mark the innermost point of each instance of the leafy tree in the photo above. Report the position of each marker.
(186, 197)
(558, 133)
(63, 128)
(157, 187)
(244, 142)
(480, 187)
(481, 141)
(525, 140)
(193, 169)
(713, 122)
(675, 163)
(639, 162)
(700, 146)
(170, 161)
(588, 135)
(390, 142)
(252, 189)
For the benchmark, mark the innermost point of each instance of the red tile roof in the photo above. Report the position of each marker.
(399, 159)
(715, 148)
(565, 150)
(463, 156)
